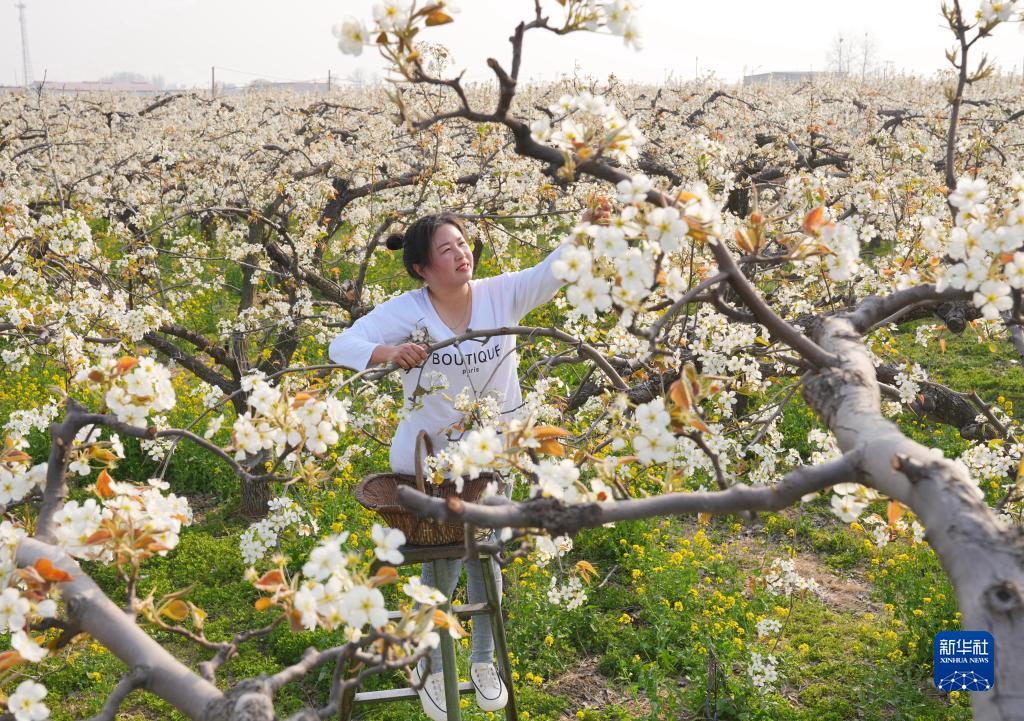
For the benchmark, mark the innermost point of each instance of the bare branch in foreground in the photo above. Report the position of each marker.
(136, 678)
(559, 518)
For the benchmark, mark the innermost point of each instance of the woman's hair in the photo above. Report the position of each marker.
(415, 243)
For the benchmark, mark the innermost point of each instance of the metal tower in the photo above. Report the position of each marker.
(26, 63)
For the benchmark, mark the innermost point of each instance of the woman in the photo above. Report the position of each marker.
(435, 251)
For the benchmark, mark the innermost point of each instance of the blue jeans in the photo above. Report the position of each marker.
(483, 641)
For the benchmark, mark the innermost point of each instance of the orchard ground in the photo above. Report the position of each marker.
(672, 614)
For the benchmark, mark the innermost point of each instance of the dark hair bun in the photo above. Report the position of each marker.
(395, 241)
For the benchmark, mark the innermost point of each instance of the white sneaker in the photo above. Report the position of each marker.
(491, 693)
(431, 694)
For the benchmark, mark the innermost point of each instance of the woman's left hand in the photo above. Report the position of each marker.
(599, 213)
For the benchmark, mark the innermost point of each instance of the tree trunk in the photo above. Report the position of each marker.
(983, 558)
(254, 500)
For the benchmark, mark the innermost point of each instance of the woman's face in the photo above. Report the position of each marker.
(451, 259)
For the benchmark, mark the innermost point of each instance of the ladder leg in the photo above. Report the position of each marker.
(451, 671)
(346, 705)
(498, 631)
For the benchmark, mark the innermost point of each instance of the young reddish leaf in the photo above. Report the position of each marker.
(15, 456)
(814, 220)
(586, 571)
(449, 621)
(10, 659)
(300, 398)
(126, 364)
(542, 432)
(176, 610)
(743, 240)
(692, 377)
(50, 572)
(894, 512)
(271, 580)
(385, 575)
(438, 17)
(699, 425)
(552, 447)
(102, 454)
(677, 393)
(263, 603)
(99, 537)
(103, 489)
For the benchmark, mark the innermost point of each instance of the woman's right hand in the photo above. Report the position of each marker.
(407, 355)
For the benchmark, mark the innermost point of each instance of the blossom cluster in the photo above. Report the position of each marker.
(617, 263)
(17, 477)
(985, 246)
(133, 387)
(991, 12)
(783, 579)
(546, 548)
(283, 513)
(335, 591)
(763, 670)
(29, 595)
(88, 447)
(588, 126)
(129, 521)
(570, 592)
(400, 18)
(908, 382)
(275, 420)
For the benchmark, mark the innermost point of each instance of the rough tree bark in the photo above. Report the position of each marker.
(983, 558)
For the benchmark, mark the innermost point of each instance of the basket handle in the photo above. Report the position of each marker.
(422, 439)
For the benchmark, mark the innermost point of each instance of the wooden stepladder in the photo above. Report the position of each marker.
(490, 608)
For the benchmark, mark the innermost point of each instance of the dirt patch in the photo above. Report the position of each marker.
(845, 594)
(586, 688)
(201, 504)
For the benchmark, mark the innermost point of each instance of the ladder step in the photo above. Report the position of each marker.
(472, 609)
(469, 609)
(397, 694)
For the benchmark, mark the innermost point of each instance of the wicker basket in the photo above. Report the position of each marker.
(379, 493)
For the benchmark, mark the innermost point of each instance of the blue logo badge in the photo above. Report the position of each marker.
(965, 661)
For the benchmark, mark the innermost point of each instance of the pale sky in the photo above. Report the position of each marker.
(74, 40)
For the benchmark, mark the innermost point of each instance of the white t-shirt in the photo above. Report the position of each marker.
(485, 365)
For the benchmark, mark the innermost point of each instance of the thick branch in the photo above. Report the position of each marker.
(558, 518)
(874, 309)
(101, 618)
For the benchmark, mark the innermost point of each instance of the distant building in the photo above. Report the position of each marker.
(788, 76)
